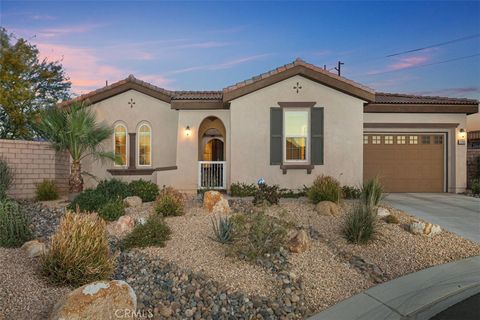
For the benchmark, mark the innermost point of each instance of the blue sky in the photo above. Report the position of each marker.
(210, 45)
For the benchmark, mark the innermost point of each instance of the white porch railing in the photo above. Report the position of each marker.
(212, 175)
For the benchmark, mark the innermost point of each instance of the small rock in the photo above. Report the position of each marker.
(300, 242)
(427, 229)
(165, 311)
(382, 212)
(221, 207)
(327, 208)
(132, 201)
(34, 248)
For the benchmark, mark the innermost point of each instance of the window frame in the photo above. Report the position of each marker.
(126, 145)
(308, 137)
(138, 144)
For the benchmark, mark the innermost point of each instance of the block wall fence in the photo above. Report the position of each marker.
(473, 165)
(31, 163)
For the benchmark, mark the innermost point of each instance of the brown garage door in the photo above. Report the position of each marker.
(405, 162)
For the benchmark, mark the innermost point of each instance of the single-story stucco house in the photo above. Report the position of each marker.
(286, 126)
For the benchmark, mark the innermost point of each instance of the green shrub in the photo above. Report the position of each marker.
(256, 235)
(6, 178)
(240, 189)
(79, 251)
(476, 186)
(153, 233)
(112, 210)
(350, 192)
(324, 188)
(391, 219)
(170, 202)
(372, 192)
(47, 190)
(360, 224)
(223, 229)
(114, 188)
(146, 190)
(266, 194)
(89, 200)
(14, 225)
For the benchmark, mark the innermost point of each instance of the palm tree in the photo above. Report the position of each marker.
(75, 129)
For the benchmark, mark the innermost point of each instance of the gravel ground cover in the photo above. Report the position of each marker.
(24, 294)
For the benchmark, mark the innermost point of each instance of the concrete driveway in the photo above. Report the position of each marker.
(456, 213)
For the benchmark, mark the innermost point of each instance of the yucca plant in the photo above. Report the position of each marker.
(14, 224)
(360, 224)
(223, 229)
(372, 192)
(75, 129)
(79, 251)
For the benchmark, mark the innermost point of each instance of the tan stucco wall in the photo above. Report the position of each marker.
(473, 122)
(250, 134)
(156, 113)
(457, 154)
(185, 178)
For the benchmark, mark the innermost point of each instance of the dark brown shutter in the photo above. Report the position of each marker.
(317, 135)
(276, 131)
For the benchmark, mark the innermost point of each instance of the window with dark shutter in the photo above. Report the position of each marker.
(276, 131)
(317, 135)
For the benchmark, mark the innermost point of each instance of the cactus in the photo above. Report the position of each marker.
(14, 225)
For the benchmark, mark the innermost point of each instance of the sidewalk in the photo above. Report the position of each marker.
(418, 295)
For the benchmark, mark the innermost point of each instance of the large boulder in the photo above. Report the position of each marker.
(221, 207)
(300, 242)
(132, 201)
(210, 199)
(426, 229)
(98, 300)
(382, 212)
(327, 208)
(34, 248)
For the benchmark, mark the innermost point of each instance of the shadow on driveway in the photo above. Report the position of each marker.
(456, 213)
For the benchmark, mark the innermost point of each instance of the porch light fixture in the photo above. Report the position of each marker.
(461, 136)
(188, 131)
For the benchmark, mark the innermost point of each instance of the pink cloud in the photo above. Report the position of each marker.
(55, 32)
(450, 91)
(409, 62)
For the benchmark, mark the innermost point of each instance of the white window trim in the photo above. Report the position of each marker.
(138, 145)
(125, 165)
(284, 137)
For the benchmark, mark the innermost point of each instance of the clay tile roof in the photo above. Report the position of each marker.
(297, 62)
(397, 98)
(197, 95)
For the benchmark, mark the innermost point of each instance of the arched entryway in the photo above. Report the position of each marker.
(212, 154)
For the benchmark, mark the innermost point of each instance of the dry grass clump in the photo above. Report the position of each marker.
(170, 202)
(325, 188)
(79, 251)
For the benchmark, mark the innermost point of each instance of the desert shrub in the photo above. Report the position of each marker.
(223, 229)
(360, 224)
(112, 210)
(6, 178)
(324, 188)
(114, 188)
(146, 190)
(14, 225)
(79, 251)
(47, 190)
(240, 189)
(153, 233)
(391, 219)
(256, 235)
(170, 202)
(351, 192)
(266, 194)
(476, 186)
(372, 192)
(89, 200)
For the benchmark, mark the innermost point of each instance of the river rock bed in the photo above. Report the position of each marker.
(44, 219)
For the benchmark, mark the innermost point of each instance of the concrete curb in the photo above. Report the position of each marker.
(416, 296)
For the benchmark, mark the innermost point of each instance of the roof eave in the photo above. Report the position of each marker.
(420, 108)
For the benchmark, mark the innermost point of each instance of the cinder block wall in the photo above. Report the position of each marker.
(32, 162)
(473, 157)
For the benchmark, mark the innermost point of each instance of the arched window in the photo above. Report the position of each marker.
(120, 145)
(144, 145)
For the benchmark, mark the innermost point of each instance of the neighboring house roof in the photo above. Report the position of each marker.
(375, 102)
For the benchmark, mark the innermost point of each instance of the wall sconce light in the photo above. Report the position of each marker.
(461, 137)
(188, 131)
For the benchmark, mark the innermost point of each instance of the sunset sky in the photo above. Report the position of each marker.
(210, 45)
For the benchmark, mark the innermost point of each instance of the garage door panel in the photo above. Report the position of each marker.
(408, 167)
